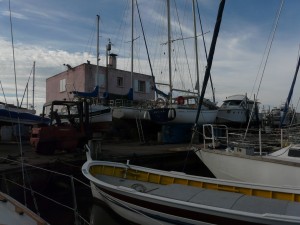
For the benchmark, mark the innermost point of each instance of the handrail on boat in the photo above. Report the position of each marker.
(214, 135)
(213, 132)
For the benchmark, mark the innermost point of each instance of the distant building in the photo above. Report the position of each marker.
(82, 78)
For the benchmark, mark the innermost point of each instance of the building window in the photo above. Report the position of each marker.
(120, 81)
(62, 85)
(141, 86)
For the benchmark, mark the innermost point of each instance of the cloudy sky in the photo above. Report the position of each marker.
(53, 33)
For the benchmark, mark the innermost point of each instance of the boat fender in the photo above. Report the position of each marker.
(172, 114)
(147, 115)
(180, 100)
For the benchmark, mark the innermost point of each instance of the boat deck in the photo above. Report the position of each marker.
(212, 198)
(13, 212)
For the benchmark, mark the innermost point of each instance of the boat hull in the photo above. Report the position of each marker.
(148, 211)
(184, 116)
(231, 116)
(148, 196)
(128, 113)
(101, 117)
(12, 117)
(248, 168)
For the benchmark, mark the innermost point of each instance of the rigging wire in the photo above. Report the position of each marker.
(13, 51)
(184, 46)
(3, 92)
(268, 50)
(19, 127)
(33, 192)
(145, 43)
(18, 120)
(121, 37)
(26, 88)
(204, 44)
(88, 47)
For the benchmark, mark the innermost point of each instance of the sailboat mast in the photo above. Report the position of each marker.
(210, 56)
(33, 84)
(287, 103)
(169, 50)
(97, 54)
(196, 48)
(132, 24)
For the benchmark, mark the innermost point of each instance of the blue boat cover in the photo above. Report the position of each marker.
(92, 94)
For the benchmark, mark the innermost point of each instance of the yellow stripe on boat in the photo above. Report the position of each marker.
(165, 180)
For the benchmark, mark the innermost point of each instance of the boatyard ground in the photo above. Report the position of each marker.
(65, 166)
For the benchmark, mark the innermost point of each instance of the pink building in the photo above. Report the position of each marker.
(83, 78)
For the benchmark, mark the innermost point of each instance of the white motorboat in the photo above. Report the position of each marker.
(236, 109)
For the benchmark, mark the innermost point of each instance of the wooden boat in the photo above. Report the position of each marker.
(243, 161)
(149, 196)
(13, 212)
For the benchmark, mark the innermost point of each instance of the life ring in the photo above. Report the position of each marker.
(160, 101)
(180, 100)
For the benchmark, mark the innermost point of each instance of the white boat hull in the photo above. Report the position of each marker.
(128, 113)
(105, 117)
(188, 116)
(182, 116)
(231, 115)
(254, 169)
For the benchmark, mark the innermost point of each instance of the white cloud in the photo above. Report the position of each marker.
(48, 63)
(14, 15)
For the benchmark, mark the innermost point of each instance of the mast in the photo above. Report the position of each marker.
(169, 50)
(132, 24)
(108, 48)
(203, 39)
(97, 53)
(287, 103)
(33, 84)
(196, 49)
(210, 56)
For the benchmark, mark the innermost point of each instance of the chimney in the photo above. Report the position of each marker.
(113, 60)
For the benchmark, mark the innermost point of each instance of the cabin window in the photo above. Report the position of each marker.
(294, 152)
(62, 85)
(120, 82)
